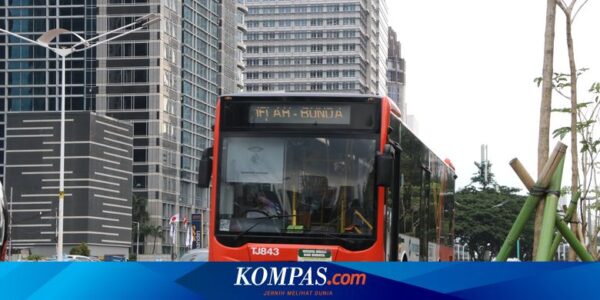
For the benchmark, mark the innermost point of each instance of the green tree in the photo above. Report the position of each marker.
(587, 117)
(484, 217)
(139, 214)
(155, 232)
(483, 179)
(81, 249)
(34, 257)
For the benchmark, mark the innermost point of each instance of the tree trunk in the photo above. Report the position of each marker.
(154, 245)
(545, 108)
(573, 78)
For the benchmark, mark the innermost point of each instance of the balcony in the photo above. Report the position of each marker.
(242, 27)
(241, 6)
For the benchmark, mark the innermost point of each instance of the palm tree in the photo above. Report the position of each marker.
(139, 215)
(156, 232)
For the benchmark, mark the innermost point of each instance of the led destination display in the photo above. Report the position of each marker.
(299, 114)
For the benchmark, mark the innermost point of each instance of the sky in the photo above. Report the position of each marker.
(470, 66)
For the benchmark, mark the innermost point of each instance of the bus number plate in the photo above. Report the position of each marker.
(265, 251)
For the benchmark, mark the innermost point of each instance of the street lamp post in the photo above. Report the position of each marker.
(44, 41)
(137, 241)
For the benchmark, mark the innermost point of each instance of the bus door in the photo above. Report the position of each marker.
(391, 210)
(392, 201)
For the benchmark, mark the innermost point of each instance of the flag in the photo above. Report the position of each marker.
(173, 222)
(186, 223)
(188, 237)
(174, 219)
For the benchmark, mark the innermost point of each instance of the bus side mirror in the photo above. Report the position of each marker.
(384, 164)
(205, 168)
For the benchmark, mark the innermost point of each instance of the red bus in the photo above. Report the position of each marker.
(301, 177)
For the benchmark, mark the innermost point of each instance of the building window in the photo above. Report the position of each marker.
(139, 182)
(140, 129)
(141, 102)
(316, 22)
(115, 103)
(269, 23)
(139, 155)
(114, 76)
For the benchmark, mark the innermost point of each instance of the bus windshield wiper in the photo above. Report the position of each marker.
(261, 220)
(337, 237)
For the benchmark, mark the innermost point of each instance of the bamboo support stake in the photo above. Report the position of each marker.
(531, 203)
(527, 181)
(573, 241)
(522, 173)
(557, 154)
(549, 219)
(567, 218)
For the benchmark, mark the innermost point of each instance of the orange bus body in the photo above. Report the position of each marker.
(290, 251)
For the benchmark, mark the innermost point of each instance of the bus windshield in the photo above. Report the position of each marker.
(297, 185)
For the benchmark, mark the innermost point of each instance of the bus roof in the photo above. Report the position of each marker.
(345, 96)
(333, 96)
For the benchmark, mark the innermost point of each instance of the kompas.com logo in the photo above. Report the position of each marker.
(295, 276)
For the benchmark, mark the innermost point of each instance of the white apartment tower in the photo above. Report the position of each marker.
(317, 46)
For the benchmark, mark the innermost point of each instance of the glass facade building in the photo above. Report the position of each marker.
(164, 80)
(29, 74)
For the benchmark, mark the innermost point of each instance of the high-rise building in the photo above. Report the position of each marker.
(211, 65)
(396, 69)
(232, 45)
(164, 80)
(29, 74)
(138, 79)
(98, 176)
(317, 46)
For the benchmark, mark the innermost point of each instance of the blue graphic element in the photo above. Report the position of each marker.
(168, 280)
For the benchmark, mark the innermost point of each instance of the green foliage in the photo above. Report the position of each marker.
(485, 216)
(586, 122)
(139, 212)
(560, 80)
(479, 177)
(34, 257)
(81, 249)
(156, 232)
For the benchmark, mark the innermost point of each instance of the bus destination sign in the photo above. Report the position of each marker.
(300, 114)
